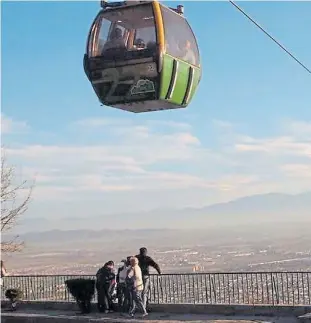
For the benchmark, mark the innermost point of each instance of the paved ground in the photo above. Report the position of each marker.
(62, 316)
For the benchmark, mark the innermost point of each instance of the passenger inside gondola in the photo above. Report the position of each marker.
(116, 40)
(187, 54)
(128, 34)
(139, 44)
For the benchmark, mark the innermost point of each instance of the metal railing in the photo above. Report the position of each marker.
(272, 288)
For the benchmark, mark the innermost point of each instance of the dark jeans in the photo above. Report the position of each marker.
(146, 291)
(104, 301)
(128, 299)
(123, 297)
(137, 302)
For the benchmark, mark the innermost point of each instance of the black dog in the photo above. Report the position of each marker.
(83, 291)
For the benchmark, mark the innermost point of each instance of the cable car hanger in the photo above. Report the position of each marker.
(105, 5)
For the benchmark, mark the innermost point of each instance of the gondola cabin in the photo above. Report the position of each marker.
(142, 56)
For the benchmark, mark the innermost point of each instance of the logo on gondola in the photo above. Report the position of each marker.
(142, 86)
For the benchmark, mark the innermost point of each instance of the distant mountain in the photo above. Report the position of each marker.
(274, 204)
(271, 208)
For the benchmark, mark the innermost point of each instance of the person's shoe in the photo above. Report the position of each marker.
(100, 309)
(106, 312)
(111, 311)
(144, 315)
(131, 315)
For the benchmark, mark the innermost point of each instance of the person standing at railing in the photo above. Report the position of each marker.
(121, 285)
(135, 283)
(128, 299)
(105, 279)
(144, 263)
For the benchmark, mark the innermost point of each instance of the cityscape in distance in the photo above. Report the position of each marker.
(258, 233)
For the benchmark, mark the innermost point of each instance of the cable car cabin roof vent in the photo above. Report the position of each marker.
(106, 5)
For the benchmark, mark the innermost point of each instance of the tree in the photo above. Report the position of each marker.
(15, 199)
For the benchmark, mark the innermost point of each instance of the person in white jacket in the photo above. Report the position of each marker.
(123, 299)
(134, 278)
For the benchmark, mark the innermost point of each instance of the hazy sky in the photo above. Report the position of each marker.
(247, 131)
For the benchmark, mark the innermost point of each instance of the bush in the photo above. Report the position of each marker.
(14, 294)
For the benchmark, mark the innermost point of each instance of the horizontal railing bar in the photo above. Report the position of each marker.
(180, 274)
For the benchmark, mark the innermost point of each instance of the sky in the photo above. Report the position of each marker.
(247, 131)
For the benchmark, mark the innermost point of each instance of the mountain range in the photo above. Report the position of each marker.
(250, 210)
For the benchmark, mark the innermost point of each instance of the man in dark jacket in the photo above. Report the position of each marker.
(105, 280)
(144, 263)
